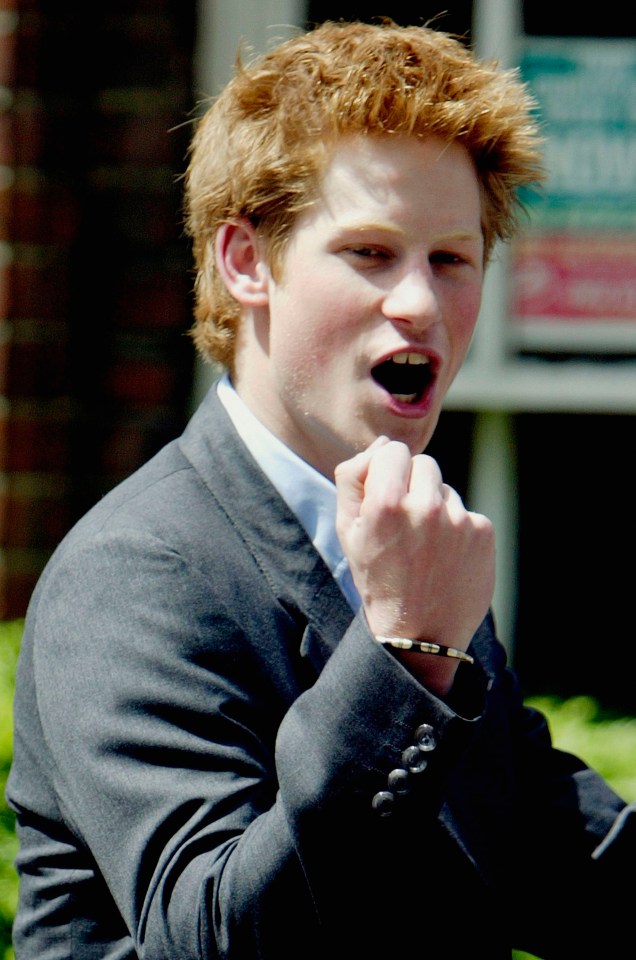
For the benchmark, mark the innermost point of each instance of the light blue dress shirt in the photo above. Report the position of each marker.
(310, 495)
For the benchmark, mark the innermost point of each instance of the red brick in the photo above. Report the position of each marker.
(36, 437)
(4, 429)
(3, 507)
(6, 205)
(37, 511)
(19, 574)
(7, 48)
(136, 381)
(137, 139)
(39, 286)
(5, 352)
(28, 129)
(42, 213)
(161, 300)
(7, 148)
(39, 366)
(5, 289)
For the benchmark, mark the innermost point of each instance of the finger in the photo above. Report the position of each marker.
(350, 477)
(357, 465)
(426, 477)
(451, 498)
(457, 508)
(425, 465)
(388, 475)
(428, 488)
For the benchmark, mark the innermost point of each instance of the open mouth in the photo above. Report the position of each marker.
(405, 376)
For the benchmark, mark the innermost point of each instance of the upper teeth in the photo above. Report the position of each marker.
(407, 357)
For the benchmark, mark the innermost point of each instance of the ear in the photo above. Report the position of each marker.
(241, 265)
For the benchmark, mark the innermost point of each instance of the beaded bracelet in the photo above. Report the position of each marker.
(426, 646)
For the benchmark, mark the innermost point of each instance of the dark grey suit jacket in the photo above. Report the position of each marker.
(213, 758)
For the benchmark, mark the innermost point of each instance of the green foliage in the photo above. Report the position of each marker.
(579, 725)
(605, 741)
(10, 634)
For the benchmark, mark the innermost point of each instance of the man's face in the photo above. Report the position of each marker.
(375, 305)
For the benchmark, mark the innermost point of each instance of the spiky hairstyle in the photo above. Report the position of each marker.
(261, 147)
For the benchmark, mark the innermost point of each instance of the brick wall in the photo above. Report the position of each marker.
(95, 280)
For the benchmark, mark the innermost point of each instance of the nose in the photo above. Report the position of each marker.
(413, 300)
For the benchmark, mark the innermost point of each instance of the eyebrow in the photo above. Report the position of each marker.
(452, 235)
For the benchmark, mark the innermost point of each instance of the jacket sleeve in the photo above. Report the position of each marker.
(188, 756)
(232, 803)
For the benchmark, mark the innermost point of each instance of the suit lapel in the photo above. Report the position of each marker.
(297, 574)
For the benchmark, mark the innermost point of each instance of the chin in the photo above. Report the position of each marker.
(416, 441)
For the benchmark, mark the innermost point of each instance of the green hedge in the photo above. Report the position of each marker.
(606, 742)
(10, 633)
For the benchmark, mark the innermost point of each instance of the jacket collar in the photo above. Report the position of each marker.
(296, 572)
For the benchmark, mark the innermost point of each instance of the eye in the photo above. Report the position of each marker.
(468, 255)
(447, 257)
(368, 253)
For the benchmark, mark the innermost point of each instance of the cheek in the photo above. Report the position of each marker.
(315, 354)
(464, 316)
(315, 357)
(319, 324)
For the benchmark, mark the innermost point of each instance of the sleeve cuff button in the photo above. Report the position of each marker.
(414, 760)
(425, 738)
(382, 803)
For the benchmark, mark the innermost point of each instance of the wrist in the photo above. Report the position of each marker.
(426, 647)
(434, 665)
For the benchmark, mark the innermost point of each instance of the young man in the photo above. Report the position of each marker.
(263, 714)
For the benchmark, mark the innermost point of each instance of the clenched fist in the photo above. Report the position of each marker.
(423, 564)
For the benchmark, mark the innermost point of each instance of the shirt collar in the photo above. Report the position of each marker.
(309, 494)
